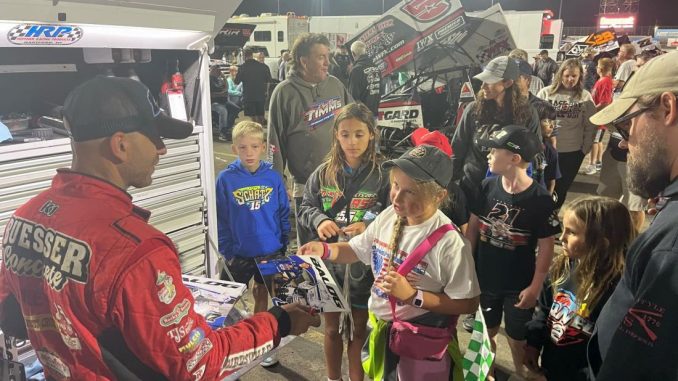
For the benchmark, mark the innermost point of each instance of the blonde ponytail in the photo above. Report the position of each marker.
(397, 234)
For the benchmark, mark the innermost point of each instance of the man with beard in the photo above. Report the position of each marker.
(639, 320)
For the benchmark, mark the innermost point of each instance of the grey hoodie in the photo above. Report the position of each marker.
(372, 196)
(300, 122)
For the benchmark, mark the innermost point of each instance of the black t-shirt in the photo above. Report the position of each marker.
(510, 226)
(343, 61)
(217, 85)
(562, 328)
(255, 76)
(552, 170)
(457, 209)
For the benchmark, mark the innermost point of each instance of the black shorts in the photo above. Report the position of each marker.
(256, 108)
(359, 283)
(515, 319)
(598, 138)
(243, 269)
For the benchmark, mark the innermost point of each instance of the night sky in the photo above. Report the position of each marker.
(575, 12)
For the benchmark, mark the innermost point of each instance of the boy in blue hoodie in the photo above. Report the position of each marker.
(252, 210)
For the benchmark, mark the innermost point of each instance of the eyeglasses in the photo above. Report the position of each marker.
(623, 123)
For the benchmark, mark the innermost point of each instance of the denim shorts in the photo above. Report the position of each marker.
(360, 281)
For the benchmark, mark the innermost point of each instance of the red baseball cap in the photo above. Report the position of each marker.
(436, 138)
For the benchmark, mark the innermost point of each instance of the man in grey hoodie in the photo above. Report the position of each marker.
(301, 114)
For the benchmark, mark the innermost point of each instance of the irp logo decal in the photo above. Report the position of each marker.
(426, 10)
(44, 34)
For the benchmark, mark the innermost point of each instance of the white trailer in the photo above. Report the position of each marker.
(273, 32)
(340, 29)
(667, 38)
(534, 31)
(278, 32)
(47, 48)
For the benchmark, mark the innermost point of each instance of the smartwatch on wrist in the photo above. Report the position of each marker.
(418, 300)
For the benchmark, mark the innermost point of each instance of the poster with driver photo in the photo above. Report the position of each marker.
(302, 279)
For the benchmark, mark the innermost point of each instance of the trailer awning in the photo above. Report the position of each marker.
(113, 23)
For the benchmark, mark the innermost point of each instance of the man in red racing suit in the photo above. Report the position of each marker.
(97, 289)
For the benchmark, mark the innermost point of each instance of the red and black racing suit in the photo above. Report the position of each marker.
(101, 294)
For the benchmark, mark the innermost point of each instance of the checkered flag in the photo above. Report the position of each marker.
(483, 57)
(74, 35)
(18, 31)
(478, 357)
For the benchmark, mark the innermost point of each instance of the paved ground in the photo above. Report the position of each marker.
(303, 358)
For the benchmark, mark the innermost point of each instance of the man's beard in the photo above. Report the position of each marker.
(649, 172)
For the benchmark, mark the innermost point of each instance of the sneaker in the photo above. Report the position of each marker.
(599, 166)
(270, 361)
(590, 169)
(224, 138)
(468, 322)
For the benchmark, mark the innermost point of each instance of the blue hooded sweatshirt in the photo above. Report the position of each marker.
(252, 211)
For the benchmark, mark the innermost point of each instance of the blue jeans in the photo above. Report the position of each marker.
(227, 114)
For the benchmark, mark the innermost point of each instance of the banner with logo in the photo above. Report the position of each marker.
(600, 41)
(434, 35)
(30, 34)
(400, 114)
(234, 35)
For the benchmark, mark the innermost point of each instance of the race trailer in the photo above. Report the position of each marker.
(47, 48)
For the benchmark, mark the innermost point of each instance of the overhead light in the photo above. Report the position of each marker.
(617, 22)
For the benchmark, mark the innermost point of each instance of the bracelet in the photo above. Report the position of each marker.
(326, 251)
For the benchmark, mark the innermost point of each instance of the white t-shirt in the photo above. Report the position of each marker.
(625, 70)
(575, 130)
(447, 268)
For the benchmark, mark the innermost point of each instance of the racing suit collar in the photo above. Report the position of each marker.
(96, 187)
